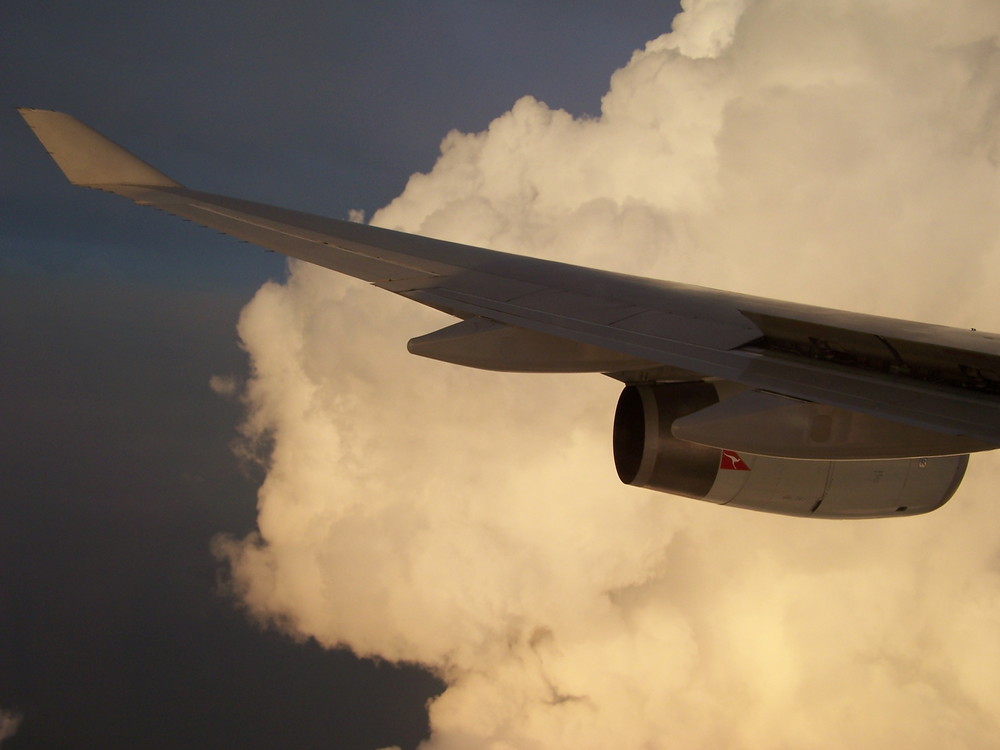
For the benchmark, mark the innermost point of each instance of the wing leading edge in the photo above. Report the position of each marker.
(529, 314)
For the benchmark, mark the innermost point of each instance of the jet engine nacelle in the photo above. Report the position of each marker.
(648, 455)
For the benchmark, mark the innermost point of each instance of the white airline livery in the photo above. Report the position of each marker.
(729, 398)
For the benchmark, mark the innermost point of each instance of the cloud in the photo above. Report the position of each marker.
(227, 386)
(840, 153)
(10, 721)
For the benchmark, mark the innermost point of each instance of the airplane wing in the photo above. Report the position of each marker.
(909, 389)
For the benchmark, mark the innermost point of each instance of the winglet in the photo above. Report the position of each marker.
(88, 158)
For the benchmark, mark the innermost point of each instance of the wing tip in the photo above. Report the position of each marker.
(86, 157)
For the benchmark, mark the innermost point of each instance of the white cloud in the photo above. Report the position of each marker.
(842, 153)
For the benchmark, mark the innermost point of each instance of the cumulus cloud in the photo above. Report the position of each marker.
(841, 153)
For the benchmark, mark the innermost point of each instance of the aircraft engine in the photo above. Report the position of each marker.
(648, 455)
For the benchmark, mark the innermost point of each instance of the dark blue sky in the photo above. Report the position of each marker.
(115, 471)
(327, 107)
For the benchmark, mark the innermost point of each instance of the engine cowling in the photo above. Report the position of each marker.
(648, 455)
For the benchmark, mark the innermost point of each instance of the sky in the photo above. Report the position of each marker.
(446, 554)
(117, 468)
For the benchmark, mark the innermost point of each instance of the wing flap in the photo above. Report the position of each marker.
(488, 345)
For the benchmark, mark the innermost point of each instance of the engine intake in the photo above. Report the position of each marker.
(648, 455)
